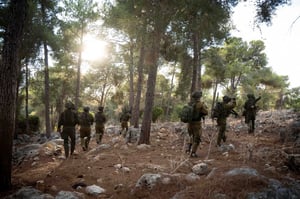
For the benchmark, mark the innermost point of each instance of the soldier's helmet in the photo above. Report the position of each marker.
(226, 99)
(197, 94)
(86, 109)
(250, 96)
(100, 108)
(68, 105)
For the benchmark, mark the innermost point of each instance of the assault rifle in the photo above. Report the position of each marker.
(233, 112)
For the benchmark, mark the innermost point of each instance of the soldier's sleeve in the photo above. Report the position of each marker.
(60, 122)
(258, 99)
(76, 118)
(230, 105)
(204, 109)
(92, 119)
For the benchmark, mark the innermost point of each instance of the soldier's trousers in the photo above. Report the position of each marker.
(221, 132)
(68, 132)
(195, 131)
(85, 136)
(99, 132)
(124, 126)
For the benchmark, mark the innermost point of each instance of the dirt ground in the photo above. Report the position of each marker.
(103, 167)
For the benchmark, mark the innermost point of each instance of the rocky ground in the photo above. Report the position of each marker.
(261, 165)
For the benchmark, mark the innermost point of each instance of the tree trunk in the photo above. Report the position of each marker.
(153, 63)
(215, 96)
(79, 70)
(26, 97)
(46, 80)
(199, 83)
(167, 115)
(131, 71)
(9, 72)
(136, 109)
(195, 62)
(17, 109)
(47, 93)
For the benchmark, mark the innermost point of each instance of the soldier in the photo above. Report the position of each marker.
(124, 119)
(68, 119)
(227, 106)
(100, 119)
(86, 119)
(194, 127)
(250, 110)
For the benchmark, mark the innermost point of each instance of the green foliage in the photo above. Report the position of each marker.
(33, 121)
(156, 113)
(293, 98)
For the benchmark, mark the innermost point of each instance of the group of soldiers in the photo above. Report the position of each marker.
(201, 110)
(69, 118)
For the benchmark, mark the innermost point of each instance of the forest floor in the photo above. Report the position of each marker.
(165, 155)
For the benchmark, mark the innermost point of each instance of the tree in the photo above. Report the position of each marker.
(293, 99)
(128, 18)
(78, 14)
(202, 23)
(100, 81)
(214, 68)
(157, 25)
(9, 72)
(46, 39)
(265, 9)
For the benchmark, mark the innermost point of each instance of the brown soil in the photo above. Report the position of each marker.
(166, 153)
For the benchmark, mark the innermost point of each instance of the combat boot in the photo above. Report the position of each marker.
(188, 148)
(82, 143)
(86, 142)
(66, 151)
(193, 155)
(98, 138)
(224, 138)
(72, 149)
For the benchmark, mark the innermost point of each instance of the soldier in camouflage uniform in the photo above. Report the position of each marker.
(194, 127)
(86, 119)
(250, 110)
(68, 119)
(227, 106)
(124, 119)
(100, 120)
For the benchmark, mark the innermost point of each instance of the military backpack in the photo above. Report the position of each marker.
(85, 119)
(69, 118)
(189, 113)
(218, 110)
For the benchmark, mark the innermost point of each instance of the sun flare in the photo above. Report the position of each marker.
(94, 49)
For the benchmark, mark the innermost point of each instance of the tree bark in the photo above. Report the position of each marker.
(153, 63)
(136, 109)
(9, 72)
(167, 115)
(131, 71)
(195, 62)
(46, 80)
(26, 97)
(79, 69)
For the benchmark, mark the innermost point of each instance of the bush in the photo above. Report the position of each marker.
(34, 123)
(156, 112)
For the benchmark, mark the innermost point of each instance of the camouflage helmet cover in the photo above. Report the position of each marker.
(197, 94)
(226, 98)
(86, 109)
(69, 105)
(250, 95)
